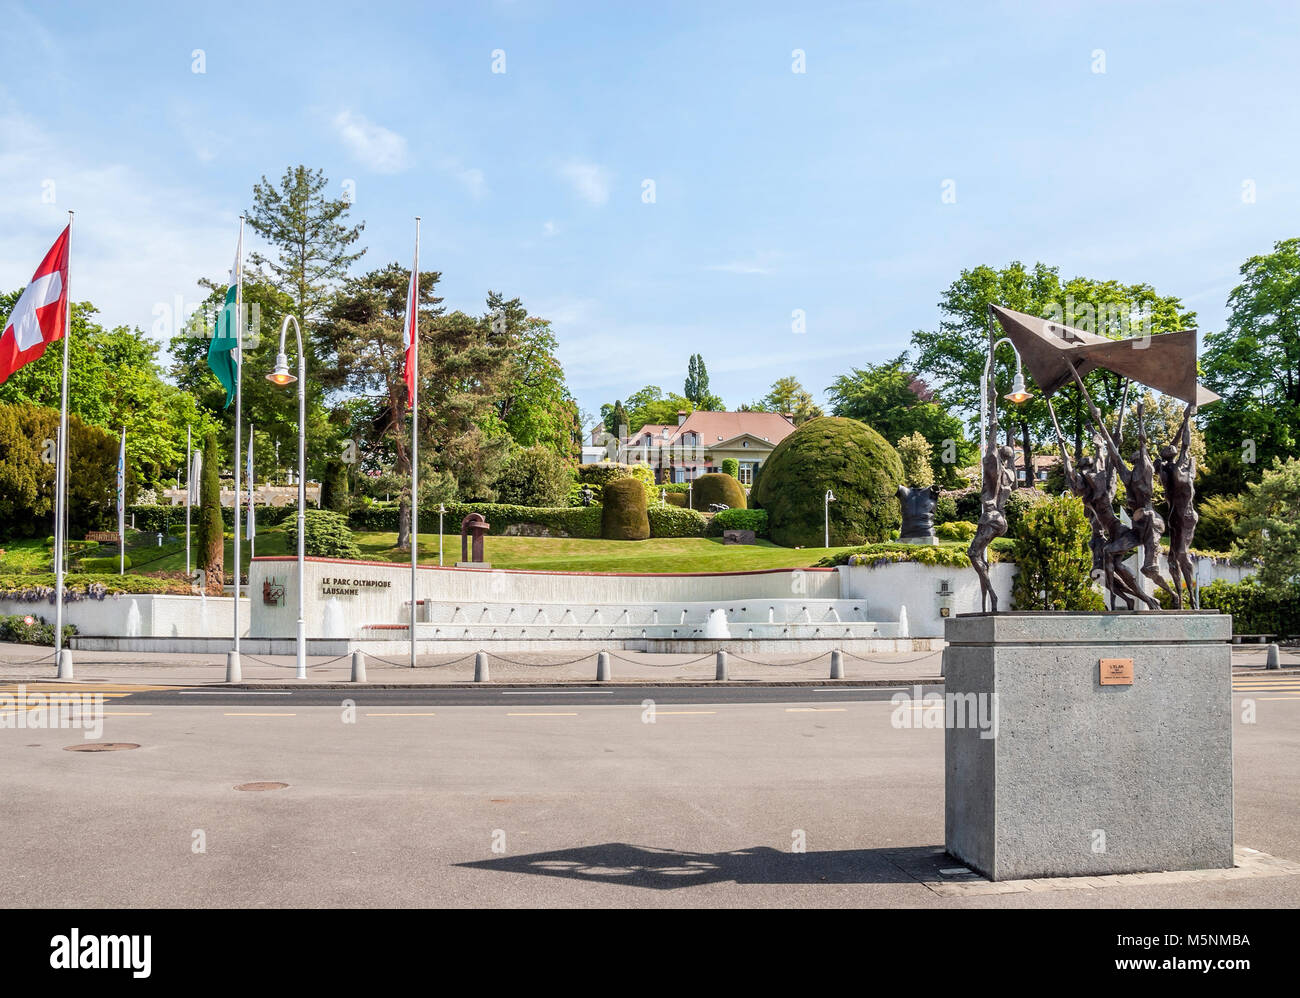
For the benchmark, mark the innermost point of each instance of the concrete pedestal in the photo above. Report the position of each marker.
(1077, 778)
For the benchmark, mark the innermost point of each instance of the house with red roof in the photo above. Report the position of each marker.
(701, 441)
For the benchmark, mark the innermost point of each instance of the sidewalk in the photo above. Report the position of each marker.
(27, 663)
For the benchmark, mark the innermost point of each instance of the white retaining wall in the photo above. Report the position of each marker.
(158, 616)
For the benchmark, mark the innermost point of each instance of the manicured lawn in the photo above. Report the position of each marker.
(572, 554)
(666, 554)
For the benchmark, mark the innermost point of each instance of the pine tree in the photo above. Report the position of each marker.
(310, 232)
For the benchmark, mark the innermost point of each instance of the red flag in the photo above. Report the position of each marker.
(408, 335)
(39, 317)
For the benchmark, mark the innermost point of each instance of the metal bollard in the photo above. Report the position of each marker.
(722, 665)
(602, 667)
(358, 666)
(1274, 658)
(65, 664)
(481, 667)
(837, 664)
(234, 674)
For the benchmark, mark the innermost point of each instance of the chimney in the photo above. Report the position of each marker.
(788, 416)
(681, 416)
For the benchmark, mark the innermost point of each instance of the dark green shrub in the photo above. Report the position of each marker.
(562, 521)
(674, 521)
(1018, 504)
(34, 588)
(844, 455)
(955, 530)
(945, 509)
(604, 473)
(96, 566)
(730, 466)
(1054, 557)
(676, 499)
(38, 632)
(1254, 609)
(1216, 530)
(153, 519)
(739, 519)
(534, 476)
(328, 535)
(334, 486)
(623, 515)
(967, 503)
(718, 488)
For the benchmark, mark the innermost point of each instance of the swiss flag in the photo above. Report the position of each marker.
(409, 334)
(39, 317)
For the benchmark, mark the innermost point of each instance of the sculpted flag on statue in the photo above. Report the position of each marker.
(39, 317)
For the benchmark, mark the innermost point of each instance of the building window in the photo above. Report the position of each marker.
(746, 472)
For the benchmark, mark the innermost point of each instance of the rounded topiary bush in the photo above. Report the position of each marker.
(623, 511)
(719, 488)
(844, 455)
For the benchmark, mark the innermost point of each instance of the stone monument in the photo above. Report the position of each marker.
(1092, 743)
(475, 524)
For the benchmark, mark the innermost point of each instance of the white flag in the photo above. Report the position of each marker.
(196, 473)
(249, 476)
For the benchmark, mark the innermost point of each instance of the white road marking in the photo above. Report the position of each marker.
(236, 693)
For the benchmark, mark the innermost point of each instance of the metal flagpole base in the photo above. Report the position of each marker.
(234, 674)
(65, 664)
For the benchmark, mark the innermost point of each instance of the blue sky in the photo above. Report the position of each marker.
(774, 190)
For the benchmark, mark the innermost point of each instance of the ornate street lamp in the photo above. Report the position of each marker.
(281, 376)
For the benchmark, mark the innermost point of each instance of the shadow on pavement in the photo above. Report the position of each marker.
(669, 869)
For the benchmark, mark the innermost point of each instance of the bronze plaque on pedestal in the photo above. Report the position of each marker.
(1116, 672)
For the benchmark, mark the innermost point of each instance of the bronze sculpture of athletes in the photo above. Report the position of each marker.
(999, 467)
(1056, 355)
(1177, 470)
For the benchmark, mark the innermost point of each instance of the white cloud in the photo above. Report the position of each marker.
(377, 147)
(590, 181)
(548, 228)
(136, 243)
(470, 177)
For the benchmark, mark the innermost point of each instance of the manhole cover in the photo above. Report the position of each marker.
(101, 747)
(261, 786)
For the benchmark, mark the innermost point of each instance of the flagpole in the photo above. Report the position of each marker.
(121, 506)
(234, 673)
(61, 482)
(189, 488)
(414, 321)
(252, 430)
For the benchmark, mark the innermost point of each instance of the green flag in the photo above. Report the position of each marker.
(222, 356)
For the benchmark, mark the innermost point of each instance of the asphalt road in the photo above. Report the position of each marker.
(718, 796)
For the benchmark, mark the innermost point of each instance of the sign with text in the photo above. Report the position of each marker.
(1116, 672)
(351, 587)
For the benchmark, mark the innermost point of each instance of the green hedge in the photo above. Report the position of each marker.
(716, 487)
(38, 632)
(955, 530)
(942, 555)
(673, 521)
(566, 521)
(739, 519)
(1253, 610)
(604, 473)
(40, 587)
(624, 516)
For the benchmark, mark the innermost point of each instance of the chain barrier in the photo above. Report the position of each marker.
(35, 661)
(656, 665)
(907, 661)
(741, 658)
(540, 665)
(278, 665)
(407, 664)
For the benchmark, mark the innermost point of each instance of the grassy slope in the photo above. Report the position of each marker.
(667, 554)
